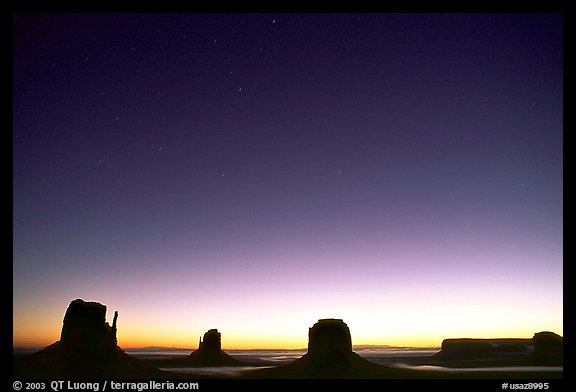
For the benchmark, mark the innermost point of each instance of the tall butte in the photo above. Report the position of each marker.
(87, 349)
(210, 353)
(329, 354)
(330, 343)
(87, 341)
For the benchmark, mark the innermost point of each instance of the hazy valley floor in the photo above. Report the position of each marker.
(285, 364)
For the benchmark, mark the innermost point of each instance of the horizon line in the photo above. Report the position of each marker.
(358, 346)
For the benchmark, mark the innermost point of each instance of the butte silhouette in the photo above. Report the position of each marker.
(87, 349)
(210, 353)
(329, 355)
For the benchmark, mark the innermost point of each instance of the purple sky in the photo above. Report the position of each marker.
(255, 172)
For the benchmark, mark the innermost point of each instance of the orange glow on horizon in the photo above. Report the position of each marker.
(235, 342)
(416, 327)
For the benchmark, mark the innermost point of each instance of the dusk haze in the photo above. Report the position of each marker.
(256, 173)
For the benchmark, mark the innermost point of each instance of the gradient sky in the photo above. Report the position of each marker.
(256, 172)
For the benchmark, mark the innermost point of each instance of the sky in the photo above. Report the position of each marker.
(257, 172)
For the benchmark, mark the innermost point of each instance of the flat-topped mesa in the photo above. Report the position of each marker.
(329, 336)
(548, 349)
(465, 348)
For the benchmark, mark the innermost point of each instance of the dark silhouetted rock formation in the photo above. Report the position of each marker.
(210, 353)
(548, 349)
(511, 348)
(329, 337)
(212, 342)
(329, 355)
(457, 349)
(87, 341)
(87, 349)
(329, 346)
(85, 324)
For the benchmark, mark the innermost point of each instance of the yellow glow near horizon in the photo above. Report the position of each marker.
(131, 337)
(411, 322)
